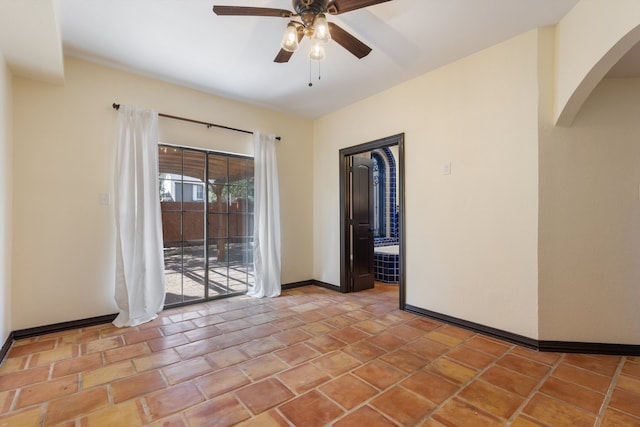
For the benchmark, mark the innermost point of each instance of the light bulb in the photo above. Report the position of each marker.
(321, 29)
(290, 38)
(317, 51)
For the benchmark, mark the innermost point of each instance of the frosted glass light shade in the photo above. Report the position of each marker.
(317, 51)
(321, 29)
(290, 38)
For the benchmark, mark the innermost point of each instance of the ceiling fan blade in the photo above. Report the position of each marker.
(284, 55)
(251, 11)
(349, 42)
(342, 6)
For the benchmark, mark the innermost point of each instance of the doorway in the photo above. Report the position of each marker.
(358, 227)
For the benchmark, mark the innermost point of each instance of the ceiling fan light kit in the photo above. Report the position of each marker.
(318, 33)
(312, 23)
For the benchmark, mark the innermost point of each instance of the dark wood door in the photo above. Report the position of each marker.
(362, 211)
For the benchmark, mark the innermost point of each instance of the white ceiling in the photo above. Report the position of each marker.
(184, 42)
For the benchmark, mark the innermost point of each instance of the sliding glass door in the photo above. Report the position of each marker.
(207, 220)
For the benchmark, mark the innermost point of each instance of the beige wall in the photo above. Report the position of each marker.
(471, 236)
(65, 137)
(590, 220)
(5, 199)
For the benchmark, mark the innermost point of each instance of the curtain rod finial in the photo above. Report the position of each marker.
(115, 106)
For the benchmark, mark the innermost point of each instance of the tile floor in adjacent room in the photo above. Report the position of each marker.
(312, 357)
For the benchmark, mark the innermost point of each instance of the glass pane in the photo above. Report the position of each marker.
(251, 280)
(193, 165)
(192, 195)
(218, 249)
(218, 282)
(173, 288)
(170, 160)
(193, 227)
(218, 272)
(249, 168)
(193, 272)
(218, 169)
(171, 227)
(193, 256)
(217, 225)
(218, 198)
(193, 286)
(167, 187)
(237, 286)
(250, 196)
(237, 169)
(173, 273)
(238, 271)
(250, 186)
(240, 252)
(250, 206)
(173, 258)
(237, 198)
(240, 225)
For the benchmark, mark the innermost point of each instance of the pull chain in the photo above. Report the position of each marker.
(310, 66)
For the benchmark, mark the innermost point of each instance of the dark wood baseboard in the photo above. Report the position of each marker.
(62, 326)
(589, 348)
(325, 285)
(50, 329)
(311, 282)
(294, 285)
(6, 346)
(475, 327)
(539, 345)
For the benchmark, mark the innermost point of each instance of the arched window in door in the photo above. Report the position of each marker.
(384, 194)
(379, 186)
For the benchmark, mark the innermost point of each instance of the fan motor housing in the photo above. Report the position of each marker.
(309, 9)
(317, 6)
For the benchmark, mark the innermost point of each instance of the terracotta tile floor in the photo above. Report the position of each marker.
(311, 357)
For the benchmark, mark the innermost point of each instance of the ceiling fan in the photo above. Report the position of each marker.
(309, 20)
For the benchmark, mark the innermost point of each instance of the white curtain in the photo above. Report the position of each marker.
(266, 235)
(139, 290)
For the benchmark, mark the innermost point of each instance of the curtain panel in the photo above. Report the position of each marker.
(266, 238)
(139, 287)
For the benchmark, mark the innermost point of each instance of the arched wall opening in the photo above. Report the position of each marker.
(590, 40)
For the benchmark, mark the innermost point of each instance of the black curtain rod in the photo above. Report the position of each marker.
(208, 125)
